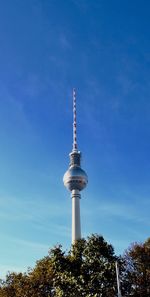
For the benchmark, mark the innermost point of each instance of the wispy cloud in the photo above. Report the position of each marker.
(56, 229)
(28, 207)
(30, 244)
(15, 216)
(15, 107)
(119, 210)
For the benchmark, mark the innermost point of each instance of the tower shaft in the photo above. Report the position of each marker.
(76, 223)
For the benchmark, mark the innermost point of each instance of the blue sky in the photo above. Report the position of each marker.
(102, 48)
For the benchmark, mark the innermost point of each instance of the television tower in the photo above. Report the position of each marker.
(75, 179)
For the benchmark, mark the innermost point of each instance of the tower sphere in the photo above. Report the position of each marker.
(75, 178)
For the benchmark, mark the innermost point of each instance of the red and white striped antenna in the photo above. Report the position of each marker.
(74, 121)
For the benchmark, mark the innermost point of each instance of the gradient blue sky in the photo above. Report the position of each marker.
(46, 48)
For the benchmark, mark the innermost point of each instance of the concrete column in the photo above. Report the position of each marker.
(76, 225)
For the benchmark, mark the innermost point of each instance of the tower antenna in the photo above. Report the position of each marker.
(74, 121)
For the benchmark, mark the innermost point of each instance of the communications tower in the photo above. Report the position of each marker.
(75, 179)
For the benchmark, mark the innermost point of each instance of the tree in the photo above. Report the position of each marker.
(137, 270)
(87, 270)
(99, 267)
(15, 285)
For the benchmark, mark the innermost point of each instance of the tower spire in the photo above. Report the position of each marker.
(74, 121)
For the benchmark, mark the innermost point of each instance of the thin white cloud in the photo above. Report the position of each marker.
(59, 230)
(124, 211)
(128, 212)
(15, 216)
(26, 209)
(30, 244)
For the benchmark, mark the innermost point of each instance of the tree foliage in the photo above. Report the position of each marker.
(88, 269)
(136, 278)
